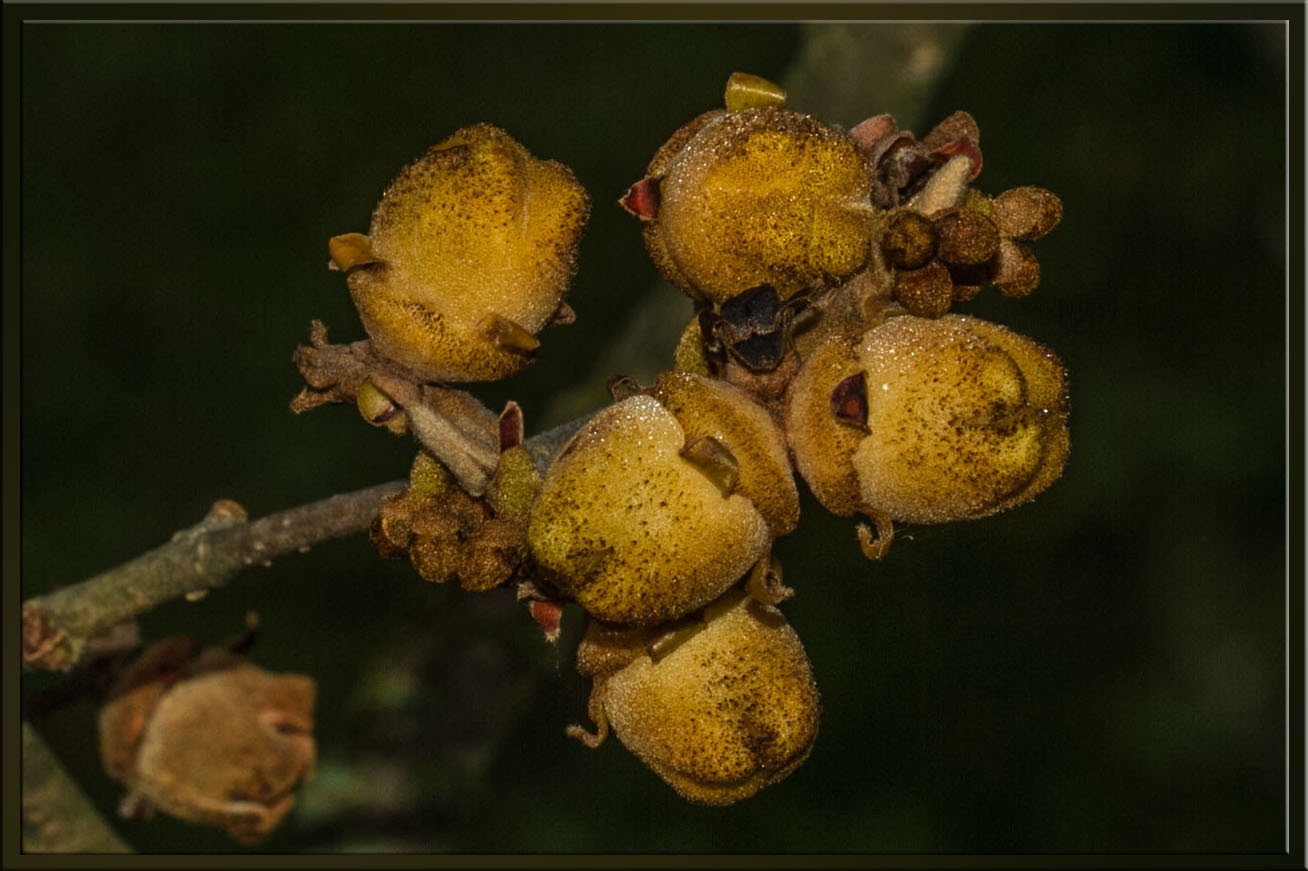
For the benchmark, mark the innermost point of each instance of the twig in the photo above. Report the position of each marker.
(59, 629)
(57, 816)
(56, 628)
(450, 423)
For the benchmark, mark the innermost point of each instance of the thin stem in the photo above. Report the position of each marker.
(64, 627)
(57, 816)
(57, 627)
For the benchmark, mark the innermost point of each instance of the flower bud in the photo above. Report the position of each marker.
(445, 532)
(929, 421)
(209, 738)
(1017, 272)
(470, 251)
(720, 706)
(966, 238)
(662, 501)
(909, 242)
(758, 196)
(927, 292)
(1026, 213)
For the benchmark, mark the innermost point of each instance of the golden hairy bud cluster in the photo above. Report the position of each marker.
(208, 737)
(719, 705)
(928, 421)
(823, 264)
(468, 257)
(447, 533)
(649, 519)
(946, 258)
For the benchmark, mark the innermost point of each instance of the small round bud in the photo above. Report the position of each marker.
(965, 292)
(966, 238)
(375, 406)
(909, 242)
(1017, 272)
(927, 292)
(470, 251)
(1026, 213)
(720, 707)
(759, 196)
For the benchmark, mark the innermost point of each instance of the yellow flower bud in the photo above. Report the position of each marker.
(662, 501)
(929, 421)
(709, 408)
(758, 196)
(469, 254)
(718, 707)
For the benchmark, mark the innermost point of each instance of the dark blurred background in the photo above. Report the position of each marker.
(1100, 670)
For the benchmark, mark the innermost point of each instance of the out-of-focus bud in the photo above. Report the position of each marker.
(966, 238)
(927, 292)
(909, 241)
(719, 705)
(208, 737)
(469, 254)
(1017, 272)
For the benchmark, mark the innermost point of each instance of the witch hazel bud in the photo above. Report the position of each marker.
(662, 501)
(208, 737)
(468, 256)
(929, 421)
(1017, 271)
(1026, 213)
(719, 705)
(757, 194)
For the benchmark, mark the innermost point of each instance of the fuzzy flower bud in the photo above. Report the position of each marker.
(469, 254)
(761, 195)
(719, 706)
(929, 421)
(663, 500)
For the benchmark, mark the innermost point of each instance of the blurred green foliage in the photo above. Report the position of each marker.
(1101, 670)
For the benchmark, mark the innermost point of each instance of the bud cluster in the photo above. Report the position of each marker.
(823, 264)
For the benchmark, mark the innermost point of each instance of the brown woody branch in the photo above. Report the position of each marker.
(57, 628)
(65, 627)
